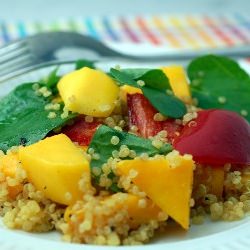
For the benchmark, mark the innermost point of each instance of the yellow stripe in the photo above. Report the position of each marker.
(206, 38)
(174, 21)
(168, 35)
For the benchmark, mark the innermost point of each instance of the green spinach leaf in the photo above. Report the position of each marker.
(52, 79)
(219, 82)
(101, 143)
(135, 73)
(156, 84)
(160, 100)
(154, 78)
(85, 63)
(123, 78)
(24, 119)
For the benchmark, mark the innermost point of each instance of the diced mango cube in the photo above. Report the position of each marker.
(178, 81)
(140, 214)
(211, 177)
(89, 92)
(217, 181)
(55, 166)
(8, 166)
(169, 187)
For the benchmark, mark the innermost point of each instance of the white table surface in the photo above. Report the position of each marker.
(11, 10)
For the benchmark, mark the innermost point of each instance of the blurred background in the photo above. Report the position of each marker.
(51, 9)
(156, 26)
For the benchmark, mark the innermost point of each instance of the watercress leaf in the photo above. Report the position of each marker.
(85, 63)
(156, 84)
(103, 147)
(17, 100)
(24, 119)
(219, 82)
(52, 79)
(135, 73)
(166, 104)
(123, 78)
(156, 79)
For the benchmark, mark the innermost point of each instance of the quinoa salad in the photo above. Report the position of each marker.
(112, 158)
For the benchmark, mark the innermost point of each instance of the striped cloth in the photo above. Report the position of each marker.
(160, 33)
(171, 31)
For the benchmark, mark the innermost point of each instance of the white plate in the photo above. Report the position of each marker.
(209, 236)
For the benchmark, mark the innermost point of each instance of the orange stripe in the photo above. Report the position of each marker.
(206, 38)
(167, 34)
(147, 32)
(183, 32)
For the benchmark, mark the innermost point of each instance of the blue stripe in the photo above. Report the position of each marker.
(109, 29)
(4, 31)
(91, 29)
(21, 29)
(243, 21)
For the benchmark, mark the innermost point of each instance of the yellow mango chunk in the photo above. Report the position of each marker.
(137, 214)
(55, 166)
(140, 214)
(178, 81)
(169, 187)
(217, 181)
(212, 178)
(8, 166)
(89, 92)
(126, 89)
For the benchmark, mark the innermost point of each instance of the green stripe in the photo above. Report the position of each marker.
(38, 26)
(55, 26)
(73, 26)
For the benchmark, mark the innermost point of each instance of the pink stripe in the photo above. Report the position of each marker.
(128, 31)
(235, 30)
(209, 22)
(144, 28)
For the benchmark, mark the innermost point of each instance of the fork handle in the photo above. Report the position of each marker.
(46, 52)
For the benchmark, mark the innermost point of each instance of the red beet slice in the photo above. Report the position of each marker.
(217, 137)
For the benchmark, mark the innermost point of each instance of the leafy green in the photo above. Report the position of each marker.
(85, 63)
(135, 73)
(155, 89)
(102, 145)
(52, 79)
(123, 78)
(219, 82)
(177, 107)
(23, 119)
(154, 78)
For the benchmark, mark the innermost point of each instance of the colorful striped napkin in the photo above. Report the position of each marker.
(173, 31)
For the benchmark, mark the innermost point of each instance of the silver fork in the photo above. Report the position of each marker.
(44, 47)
